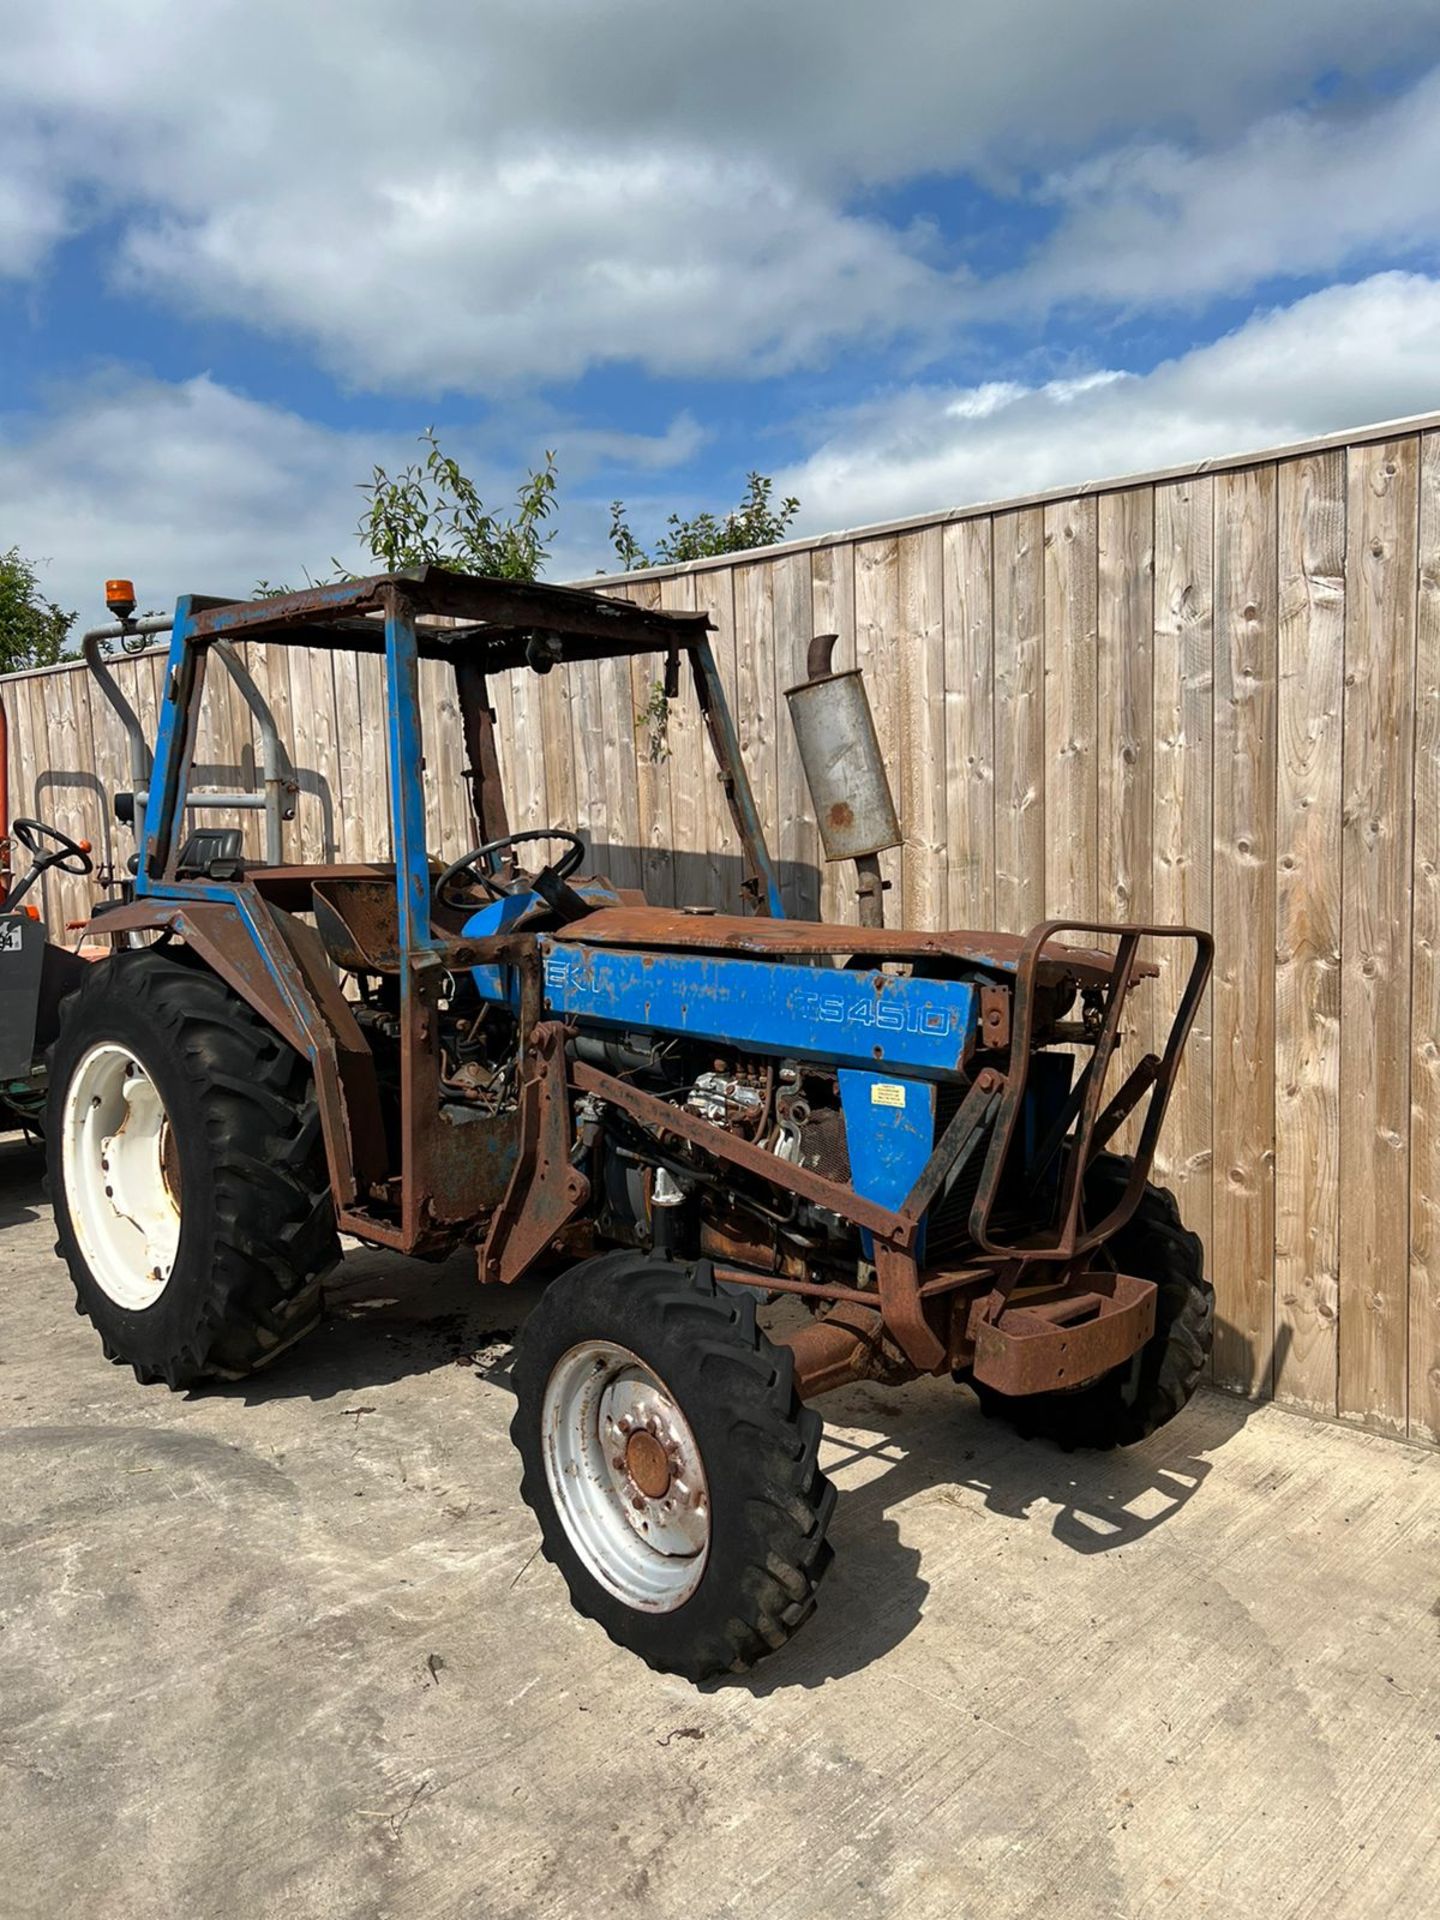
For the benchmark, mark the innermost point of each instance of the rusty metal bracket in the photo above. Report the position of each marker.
(546, 1192)
(1092, 1327)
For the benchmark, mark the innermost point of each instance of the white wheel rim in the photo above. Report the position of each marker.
(626, 1476)
(121, 1175)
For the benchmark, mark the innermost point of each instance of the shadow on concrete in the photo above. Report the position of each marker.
(387, 1318)
(22, 1180)
(873, 1597)
(1103, 1500)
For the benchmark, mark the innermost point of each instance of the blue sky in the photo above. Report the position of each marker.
(902, 258)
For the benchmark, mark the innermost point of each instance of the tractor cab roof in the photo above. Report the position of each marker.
(502, 623)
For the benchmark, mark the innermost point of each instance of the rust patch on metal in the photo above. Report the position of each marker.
(648, 1465)
(994, 1017)
(735, 933)
(848, 1342)
(545, 1192)
(1094, 1325)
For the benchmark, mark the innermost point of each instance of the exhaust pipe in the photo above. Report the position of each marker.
(840, 752)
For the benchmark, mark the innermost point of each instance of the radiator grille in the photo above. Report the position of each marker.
(947, 1225)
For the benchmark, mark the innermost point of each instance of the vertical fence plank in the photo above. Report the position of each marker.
(617, 754)
(12, 696)
(270, 670)
(1383, 505)
(969, 680)
(877, 651)
(112, 764)
(687, 767)
(312, 679)
(374, 751)
(556, 693)
(1071, 866)
(1124, 702)
(244, 764)
(1425, 1018)
(796, 845)
(529, 796)
(445, 759)
(350, 726)
(832, 599)
(1310, 702)
(32, 753)
(1183, 833)
(921, 795)
(715, 596)
(1124, 682)
(1020, 764)
(592, 794)
(1244, 908)
(755, 681)
(73, 803)
(654, 831)
(216, 766)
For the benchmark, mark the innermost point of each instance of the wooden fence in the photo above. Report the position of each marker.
(1211, 695)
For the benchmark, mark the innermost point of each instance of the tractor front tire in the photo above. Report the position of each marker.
(191, 1195)
(1131, 1402)
(670, 1464)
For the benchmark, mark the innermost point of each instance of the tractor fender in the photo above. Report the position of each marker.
(272, 969)
(223, 937)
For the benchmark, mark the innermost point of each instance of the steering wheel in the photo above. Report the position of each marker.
(555, 876)
(72, 856)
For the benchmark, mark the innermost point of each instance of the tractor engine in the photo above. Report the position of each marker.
(648, 1184)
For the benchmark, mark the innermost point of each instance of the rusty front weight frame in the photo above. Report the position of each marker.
(1155, 1075)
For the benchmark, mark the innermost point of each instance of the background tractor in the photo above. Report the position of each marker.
(671, 1115)
(35, 972)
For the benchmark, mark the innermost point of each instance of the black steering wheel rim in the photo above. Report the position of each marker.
(72, 857)
(562, 869)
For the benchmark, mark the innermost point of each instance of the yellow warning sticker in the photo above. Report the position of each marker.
(887, 1093)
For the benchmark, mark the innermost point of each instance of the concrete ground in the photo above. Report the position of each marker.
(287, 1649)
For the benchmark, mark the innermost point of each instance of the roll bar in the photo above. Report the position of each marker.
(277, 800)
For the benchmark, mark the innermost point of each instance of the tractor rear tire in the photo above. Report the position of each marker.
(188, 1173)
(670, 1464)
(1131, 1402)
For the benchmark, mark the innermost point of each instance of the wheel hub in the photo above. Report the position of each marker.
(648, 1465)
(121, 1165)
(626, 1476)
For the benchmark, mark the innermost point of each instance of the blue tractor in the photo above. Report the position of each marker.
(673, 1116)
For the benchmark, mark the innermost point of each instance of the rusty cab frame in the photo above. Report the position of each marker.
(1029, 1309)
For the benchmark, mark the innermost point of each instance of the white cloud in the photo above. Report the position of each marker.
(449, 195)
(1298, 193)
(189, 487)
(192, 487)
(184, 488)
(537, 269)
(32, 204)
(1348, 356)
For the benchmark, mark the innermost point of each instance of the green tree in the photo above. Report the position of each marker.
(756, 522)
(33, 630)
(430, 514)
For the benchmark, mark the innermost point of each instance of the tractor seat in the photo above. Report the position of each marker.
(212, 853)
